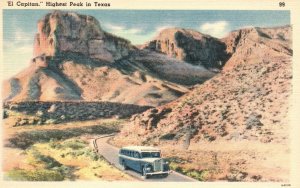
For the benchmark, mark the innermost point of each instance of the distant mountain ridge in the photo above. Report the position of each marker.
(75, 59)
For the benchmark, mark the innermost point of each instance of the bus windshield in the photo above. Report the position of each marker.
(150, 154)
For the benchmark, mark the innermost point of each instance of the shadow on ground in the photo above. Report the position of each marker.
(24, 140)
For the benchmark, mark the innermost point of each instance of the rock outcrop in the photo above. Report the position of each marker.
(60, 32)
(190, 46)
(257, 43)
(57, 112)
(40, 61)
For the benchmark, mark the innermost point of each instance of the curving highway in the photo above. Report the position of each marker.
(110, 153)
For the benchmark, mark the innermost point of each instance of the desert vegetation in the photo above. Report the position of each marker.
(57, 151)
(69, 159)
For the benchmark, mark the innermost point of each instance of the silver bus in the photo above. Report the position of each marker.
(143, 159)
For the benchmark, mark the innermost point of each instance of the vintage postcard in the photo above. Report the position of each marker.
(149, 93)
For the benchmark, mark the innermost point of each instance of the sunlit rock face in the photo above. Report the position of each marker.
(190, 46)
(70, 32)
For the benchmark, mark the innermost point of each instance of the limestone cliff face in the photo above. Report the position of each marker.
(70, 32)
(190, 46)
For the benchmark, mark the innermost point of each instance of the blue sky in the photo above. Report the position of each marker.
(138, 26)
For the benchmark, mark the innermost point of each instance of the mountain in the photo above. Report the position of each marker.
(75, 59)
(190, 46)
(249, 99)
(60, 32)
(258, 44)
(234, 126)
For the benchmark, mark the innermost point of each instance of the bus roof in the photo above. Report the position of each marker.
(141, 148)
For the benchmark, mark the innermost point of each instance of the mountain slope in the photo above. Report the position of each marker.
(76, 60)
(234, 126)
(259, 44)
(249, 97)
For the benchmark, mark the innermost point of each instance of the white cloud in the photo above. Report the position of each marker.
(21, 36)
(117, 29)
(114, 27)
(134, 31)
(160, 28)
(134, 34)
(217, 29)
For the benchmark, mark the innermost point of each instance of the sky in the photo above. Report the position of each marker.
(138, 26)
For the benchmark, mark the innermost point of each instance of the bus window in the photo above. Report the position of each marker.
(136, 155)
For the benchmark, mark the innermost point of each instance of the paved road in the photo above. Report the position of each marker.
(110, 153)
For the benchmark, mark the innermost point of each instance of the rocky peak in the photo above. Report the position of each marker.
(240, 37)
(249, 43)
(190, 46)
(60, 32)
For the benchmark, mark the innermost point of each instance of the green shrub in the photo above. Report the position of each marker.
(47, 161)
(55, 145)
(168, 136)
(35, 175)
(65, 171)
(175, 167)
(79, 147)
(75, 153)
(201, 175)
(75, 144)
(5, 114)
(198, 175)
(94, 156)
